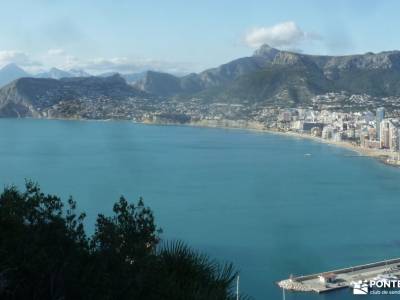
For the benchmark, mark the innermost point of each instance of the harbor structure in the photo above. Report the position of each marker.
(342, 278)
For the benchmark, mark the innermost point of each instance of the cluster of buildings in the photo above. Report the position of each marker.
(366, 129)
(339, 101)
(387, 132)
(372, 130)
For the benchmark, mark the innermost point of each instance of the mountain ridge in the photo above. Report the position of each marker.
(270, 77)
(315, 74)
(11, 72)
(29, 96)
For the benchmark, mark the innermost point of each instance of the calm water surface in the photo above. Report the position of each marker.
(250, 198)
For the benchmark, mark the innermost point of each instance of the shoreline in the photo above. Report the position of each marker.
(381, 155)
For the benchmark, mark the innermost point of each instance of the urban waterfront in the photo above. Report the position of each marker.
(273, 205)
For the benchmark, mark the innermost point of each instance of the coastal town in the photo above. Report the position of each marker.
(373, 133)
(364, 126)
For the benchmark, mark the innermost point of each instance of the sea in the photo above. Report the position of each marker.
(272, 205)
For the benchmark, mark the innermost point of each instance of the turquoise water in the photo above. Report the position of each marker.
(250, 198)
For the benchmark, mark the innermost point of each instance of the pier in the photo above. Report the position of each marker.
(341, 278)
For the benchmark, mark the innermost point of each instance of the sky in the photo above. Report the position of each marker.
(186, 36)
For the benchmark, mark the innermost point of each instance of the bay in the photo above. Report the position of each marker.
(251, 198)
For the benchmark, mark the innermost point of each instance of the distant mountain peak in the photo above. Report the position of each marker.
(266, 51)
(79, 72)
(116, 77)
(12, 67)
(54, 73)
(11, 72)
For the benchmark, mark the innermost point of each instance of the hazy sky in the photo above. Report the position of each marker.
(174, 35)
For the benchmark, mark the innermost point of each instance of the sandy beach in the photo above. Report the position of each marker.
(383, 155)
(380, 154)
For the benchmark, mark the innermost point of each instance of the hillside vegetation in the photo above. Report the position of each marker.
(45, 253)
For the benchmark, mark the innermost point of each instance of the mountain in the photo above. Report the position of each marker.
(194, 83)
(11, 72)
(29, 96)
(130, 78)
(158, 83)
(78, 73)
(268, 77)
(283, 77)
(54, 73)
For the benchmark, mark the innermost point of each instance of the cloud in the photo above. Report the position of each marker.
(282, 35)
(59, 58)
(127, 65)
(17, 57)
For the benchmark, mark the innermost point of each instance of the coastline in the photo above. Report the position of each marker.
(381, 155)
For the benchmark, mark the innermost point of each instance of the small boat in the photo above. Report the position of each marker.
(307, 154)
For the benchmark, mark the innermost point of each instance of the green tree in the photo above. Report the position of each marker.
(45, 254)
(188, 274)
(41, 249)
(123, 244)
